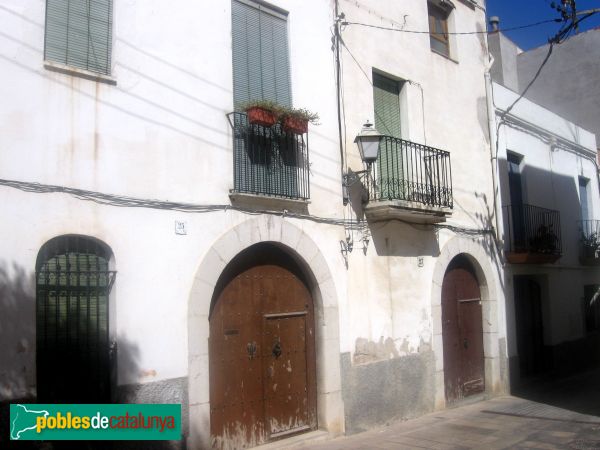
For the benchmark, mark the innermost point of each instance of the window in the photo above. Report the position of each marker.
(261, 68)
(73, 283)
(591, 307)
(386, 100)
(584, 198)
(438, 28)
(267, 160)
(390, 167)
(79, 34)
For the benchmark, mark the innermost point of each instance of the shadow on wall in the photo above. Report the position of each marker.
(17, 332)
(396, 238)
(18, 363)
(545, 189)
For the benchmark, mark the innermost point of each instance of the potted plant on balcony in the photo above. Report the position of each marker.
(262, 112)
(295, 120)
(590, 246)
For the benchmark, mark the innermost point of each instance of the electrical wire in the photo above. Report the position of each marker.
(464, 33)
(134, 202)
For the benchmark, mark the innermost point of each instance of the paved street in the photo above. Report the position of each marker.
(562, 414)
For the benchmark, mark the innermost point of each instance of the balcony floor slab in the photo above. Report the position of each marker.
(408, 211)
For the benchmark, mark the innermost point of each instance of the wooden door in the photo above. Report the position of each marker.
(462, 332)
(262, 359)
(530, 330)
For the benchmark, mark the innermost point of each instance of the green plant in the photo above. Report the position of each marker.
(544, 240)
(301, 114)
(591, 242)
(263, 104)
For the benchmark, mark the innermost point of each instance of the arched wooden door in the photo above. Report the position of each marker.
(262, 359)
(462, 331)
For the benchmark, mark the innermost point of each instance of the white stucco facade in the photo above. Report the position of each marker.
(158, 131)
(555, 155)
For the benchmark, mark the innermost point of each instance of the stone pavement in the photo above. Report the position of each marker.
(563, 414)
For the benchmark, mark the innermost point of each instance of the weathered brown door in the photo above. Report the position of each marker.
(262, 359)
(462, 331)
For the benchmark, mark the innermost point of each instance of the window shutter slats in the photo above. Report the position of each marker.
(79, 33)
(260, 55)
(386, 100)
(387, 105)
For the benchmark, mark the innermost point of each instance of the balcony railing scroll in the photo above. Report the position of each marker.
(531, 229)
(268, 160)
(411, 172)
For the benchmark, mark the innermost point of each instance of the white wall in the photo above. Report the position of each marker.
(555, 154)
(160, 133)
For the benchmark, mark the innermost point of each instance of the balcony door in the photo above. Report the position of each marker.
(515, 186)
(386, 101)
(267, 160)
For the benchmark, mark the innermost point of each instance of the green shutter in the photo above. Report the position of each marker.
(79, 33)
(261, 67)
(386, 100)
(261, 71)
(386, 97)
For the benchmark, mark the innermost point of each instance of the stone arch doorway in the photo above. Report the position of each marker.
(74, 357)
(462, 331)
(262, 364)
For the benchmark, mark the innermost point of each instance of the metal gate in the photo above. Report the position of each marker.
(462, 331)
(73, 282)
(262, 359)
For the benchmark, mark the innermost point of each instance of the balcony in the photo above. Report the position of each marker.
(589, 242)
(409, 182)
(532, 234)
(270, 165)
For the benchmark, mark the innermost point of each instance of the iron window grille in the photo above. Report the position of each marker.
(73, 283)
(269, 160)
(532, 229)
(412, 172)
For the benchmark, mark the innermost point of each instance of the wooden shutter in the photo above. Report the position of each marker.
(261, 72)
(386, 100)
(387, 105)
(438, 29)
(79, 33)
(260, 54)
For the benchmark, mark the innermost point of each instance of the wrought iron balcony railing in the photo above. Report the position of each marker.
(411, 172)
(534, 230)
(589, 241)
(268, 160)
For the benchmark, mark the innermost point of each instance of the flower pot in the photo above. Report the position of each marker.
(260, 116)
(295, 125)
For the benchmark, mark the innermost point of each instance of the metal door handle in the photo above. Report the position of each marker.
(466, 343)
(277, 349)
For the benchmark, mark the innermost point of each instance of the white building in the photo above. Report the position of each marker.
(548, 189)
(164, 250)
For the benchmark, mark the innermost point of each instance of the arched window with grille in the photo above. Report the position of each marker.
(73, 284)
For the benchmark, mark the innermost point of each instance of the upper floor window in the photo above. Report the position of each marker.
(584, 198)
(439, 13)
(386, 102)
(261, 69)
(79, 34)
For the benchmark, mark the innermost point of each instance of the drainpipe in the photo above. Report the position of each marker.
(493, 143)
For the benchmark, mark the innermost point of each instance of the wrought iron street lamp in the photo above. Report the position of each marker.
(368, 143)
